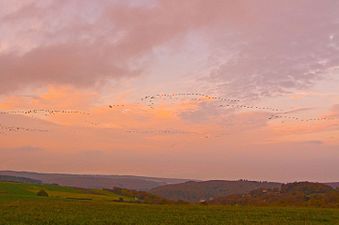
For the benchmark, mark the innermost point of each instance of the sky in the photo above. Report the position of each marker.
(199, 89)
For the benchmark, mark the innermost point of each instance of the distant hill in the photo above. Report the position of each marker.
(139, 196)
(333, 185)
(18, 179)
(193, 191)
(292, 194)
(96, 181)
(307, 188)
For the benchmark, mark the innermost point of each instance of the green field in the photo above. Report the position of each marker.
(20, 205)
(17, 191)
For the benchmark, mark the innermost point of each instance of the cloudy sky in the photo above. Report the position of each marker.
(218, 89)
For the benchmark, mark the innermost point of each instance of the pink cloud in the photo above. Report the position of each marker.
(82, 43)
(275, 46)
(283, 46)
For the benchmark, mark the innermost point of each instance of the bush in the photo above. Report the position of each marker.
(42, 193)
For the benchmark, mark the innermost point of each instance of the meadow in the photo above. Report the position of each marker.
(20, 205)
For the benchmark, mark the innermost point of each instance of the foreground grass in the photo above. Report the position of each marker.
(19, 205)
(62, 212)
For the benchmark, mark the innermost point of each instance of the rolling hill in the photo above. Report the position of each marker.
(19, 179)
(35, 191)
(292, 194)
(194, 191)
(96, 181)
(20, 204)
(333, 185)
(16, 190)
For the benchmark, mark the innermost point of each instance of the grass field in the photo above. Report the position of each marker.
(20, 205)
(16, 191)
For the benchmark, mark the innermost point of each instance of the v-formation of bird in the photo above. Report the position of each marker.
(151, 101)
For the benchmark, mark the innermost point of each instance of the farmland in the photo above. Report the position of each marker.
(19, 204)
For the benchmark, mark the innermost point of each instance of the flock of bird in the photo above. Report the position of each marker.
(279, 115)
(151, 102)
(158, 132)
(199, 97)
(301, 119)
(269, 109)
(232, 103)
(32, 112)
(19, 129)
(42, 111)
(114, 106)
